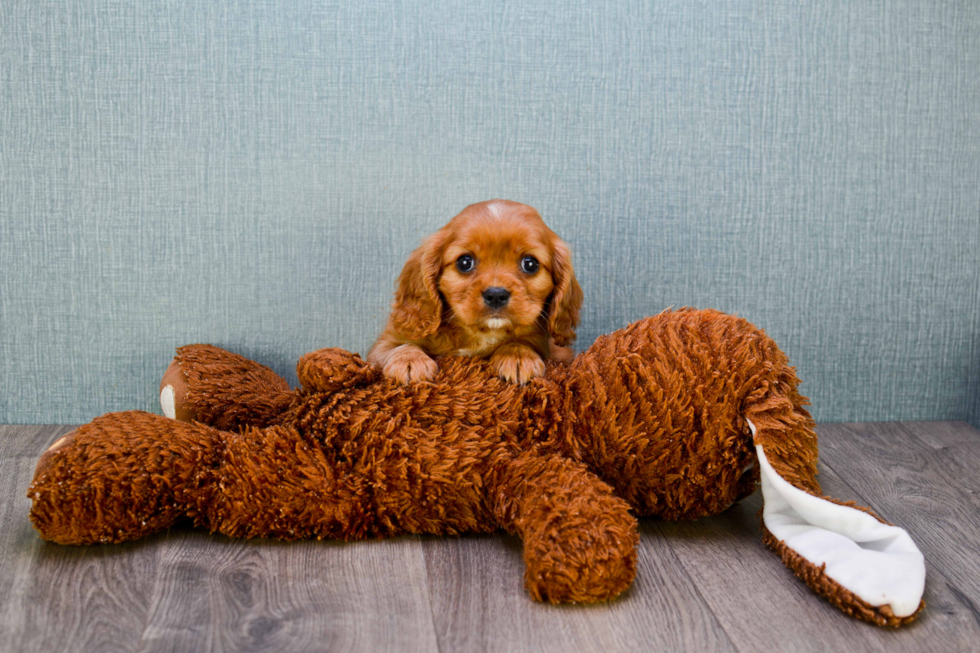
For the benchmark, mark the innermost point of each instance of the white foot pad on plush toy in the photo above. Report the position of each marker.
(167, 402)
(878, 563)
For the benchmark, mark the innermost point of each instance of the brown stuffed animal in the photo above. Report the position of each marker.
(676, 416)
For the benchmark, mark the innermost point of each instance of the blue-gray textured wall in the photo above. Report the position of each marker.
(253, 174)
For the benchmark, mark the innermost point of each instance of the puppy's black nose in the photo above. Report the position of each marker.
(496, 297)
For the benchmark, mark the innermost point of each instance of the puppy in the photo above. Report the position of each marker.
(495, 282)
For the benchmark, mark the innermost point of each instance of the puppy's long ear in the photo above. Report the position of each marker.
(417, 310)
(567, 297)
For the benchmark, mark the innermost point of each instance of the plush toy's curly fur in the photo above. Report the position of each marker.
(651, 420)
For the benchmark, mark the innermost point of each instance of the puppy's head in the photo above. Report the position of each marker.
(495, 266)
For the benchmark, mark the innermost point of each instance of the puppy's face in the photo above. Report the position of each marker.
(496, 268)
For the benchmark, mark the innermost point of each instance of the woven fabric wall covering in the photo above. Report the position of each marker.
(253, 174)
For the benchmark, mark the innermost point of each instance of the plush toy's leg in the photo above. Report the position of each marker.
(120, 477)
(866, 567)
(224, 390)
(579, 538)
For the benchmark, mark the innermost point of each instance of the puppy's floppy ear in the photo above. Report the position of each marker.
(566, 298)
(417, 310)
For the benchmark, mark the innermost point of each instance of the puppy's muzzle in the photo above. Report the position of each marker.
(496, 297)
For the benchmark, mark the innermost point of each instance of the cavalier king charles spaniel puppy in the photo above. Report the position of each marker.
(495, 282)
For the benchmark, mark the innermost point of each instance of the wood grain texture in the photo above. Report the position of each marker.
(708, 585)
(65, 598)
(19, 544)
(479, 604)
(233, 595)
(916, 484)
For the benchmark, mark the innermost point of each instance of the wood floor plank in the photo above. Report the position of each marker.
(19, 448)
(63, 598)
(673, 607)
(918, 485)
(955, 447)
(87, 598)
(28, 441)
(943, 625)
(479, 604)
(218, 594)
(909, 483)
(759, 603)
(18, 548)
(734, 581)
(19, 545)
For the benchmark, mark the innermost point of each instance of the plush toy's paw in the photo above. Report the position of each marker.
(173, 394)
(331, 370)
(587, 556)
(517, 363)
(579, 538)
(44, 462)
(409, 364)
(227, 391)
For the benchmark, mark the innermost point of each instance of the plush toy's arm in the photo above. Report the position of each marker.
(126, 475)
(224, 390)
(579, 538)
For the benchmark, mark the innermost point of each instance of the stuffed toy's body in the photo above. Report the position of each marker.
(676, 416)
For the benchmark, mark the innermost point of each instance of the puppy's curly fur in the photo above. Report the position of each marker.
(494, 283)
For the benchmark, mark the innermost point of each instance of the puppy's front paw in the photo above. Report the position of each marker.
(409, 364)
(517, 364)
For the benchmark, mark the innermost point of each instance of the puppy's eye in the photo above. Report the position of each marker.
(529, 264)
(465, 263)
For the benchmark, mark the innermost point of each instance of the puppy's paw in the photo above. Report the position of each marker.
(409, 364)
(517, 364)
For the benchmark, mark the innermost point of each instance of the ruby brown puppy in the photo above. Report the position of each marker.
(494, 283)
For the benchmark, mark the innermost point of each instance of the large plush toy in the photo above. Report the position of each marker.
(676, 416)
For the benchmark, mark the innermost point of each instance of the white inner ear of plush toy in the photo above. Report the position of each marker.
(167, 402)
(878, 563)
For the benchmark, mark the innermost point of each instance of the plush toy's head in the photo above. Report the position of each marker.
(676, 416)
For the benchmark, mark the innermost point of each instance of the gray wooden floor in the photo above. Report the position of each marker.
(703, 586)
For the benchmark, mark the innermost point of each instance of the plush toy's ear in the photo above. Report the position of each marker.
(417, 309)
(567, 297)
(863, 565)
